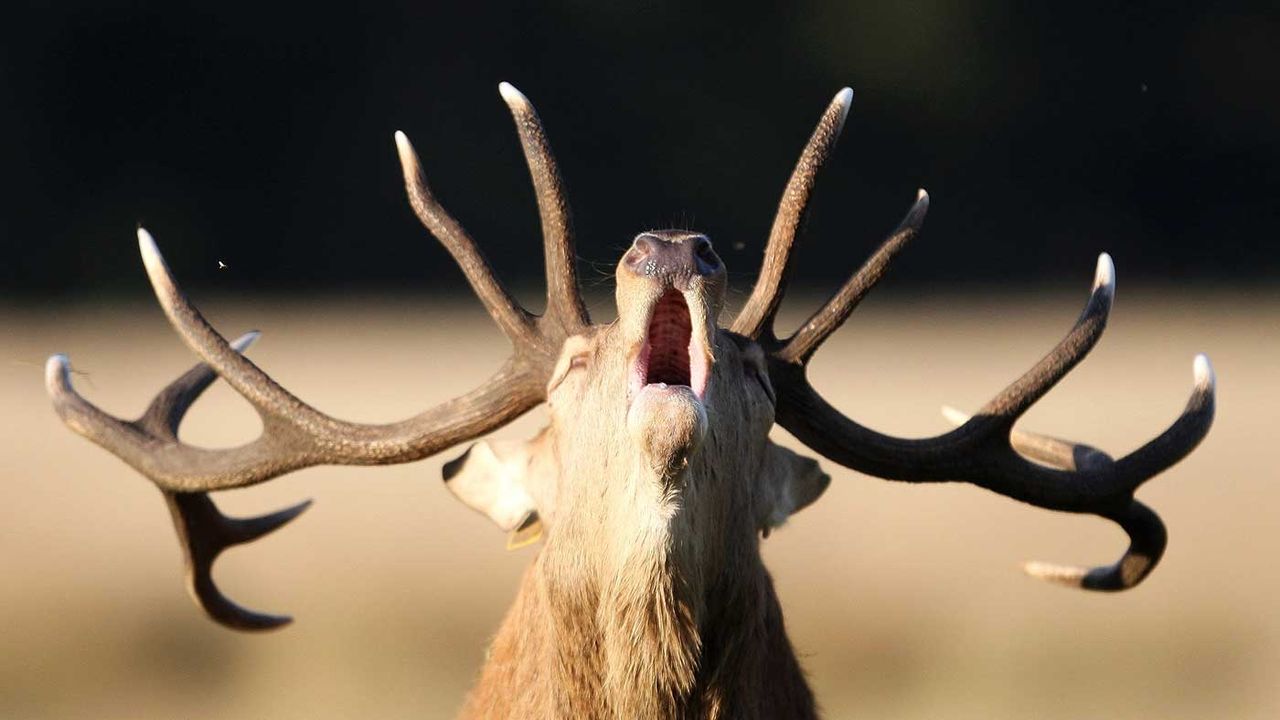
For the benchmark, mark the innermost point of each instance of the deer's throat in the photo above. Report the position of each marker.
(636, 605)
(649, 620)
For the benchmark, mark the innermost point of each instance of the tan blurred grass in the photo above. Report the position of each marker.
(905, 602)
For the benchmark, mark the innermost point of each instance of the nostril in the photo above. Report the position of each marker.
(706, 256)
(645, 244)
(642, 251)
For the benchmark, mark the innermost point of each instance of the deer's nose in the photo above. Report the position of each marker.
(672, 257)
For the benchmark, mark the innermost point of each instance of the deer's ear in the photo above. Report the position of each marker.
(792, 483)
(513, 483)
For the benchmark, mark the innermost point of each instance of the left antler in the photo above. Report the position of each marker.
(985, 450)
(296, 435)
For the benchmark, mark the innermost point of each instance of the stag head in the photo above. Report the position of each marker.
(648, 406)
(657, 452)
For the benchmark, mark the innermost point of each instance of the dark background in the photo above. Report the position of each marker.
(260, 136)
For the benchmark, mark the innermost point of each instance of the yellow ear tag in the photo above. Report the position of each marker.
(528, 532)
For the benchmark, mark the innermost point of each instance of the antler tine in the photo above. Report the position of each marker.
(204, 532)
(1175, 443)
(515, 321)
(1052, 451)
(805, 342)
(761, 307)
(81, 415)
(564, 296)
(1014, 400)
(1147, 541)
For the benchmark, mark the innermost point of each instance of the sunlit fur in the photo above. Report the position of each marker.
(649, 598)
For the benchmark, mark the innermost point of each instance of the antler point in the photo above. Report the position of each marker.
(57, 372)
(157, 269)
(148, 248)
(511, 96)
(954, 416)
(243, 342)
(843, 100)
(404, 148)
(1203, 370)
(1059, 574)
(1104, 276)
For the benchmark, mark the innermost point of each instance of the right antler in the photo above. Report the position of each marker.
(296, 435)
(984, 450)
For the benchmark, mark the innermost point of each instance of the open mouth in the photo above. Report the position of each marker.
(668, 357)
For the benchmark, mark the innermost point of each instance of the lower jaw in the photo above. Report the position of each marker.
(656, 398)
(667, 424)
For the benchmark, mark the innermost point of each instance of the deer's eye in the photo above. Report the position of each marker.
(753, 365)
(576, 355)
(763, 380)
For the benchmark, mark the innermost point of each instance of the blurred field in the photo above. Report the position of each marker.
(906, 602)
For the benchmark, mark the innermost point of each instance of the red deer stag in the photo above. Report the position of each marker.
(655, 478)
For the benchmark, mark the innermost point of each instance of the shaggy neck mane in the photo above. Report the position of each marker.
(648, 617)
(643, 630)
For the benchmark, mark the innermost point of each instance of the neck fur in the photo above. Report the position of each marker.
(648, 624)
(642, 599)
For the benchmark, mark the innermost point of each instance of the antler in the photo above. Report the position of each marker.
(985, 450)
(296, 435)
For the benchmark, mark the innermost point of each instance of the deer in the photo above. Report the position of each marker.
(654, 482)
